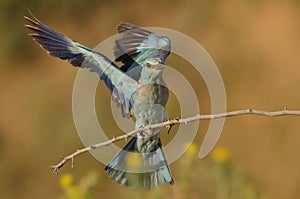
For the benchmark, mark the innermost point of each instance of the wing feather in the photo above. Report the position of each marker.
(60, 46)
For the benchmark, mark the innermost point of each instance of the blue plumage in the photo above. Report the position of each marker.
(137, 86)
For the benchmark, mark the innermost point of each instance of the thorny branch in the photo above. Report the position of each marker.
(170, 123)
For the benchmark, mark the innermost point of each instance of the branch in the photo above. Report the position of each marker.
(170, 123)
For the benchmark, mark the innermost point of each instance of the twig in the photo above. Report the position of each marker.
(170, 123)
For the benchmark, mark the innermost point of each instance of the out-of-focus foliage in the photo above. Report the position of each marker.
(255, 45)
(231, 182)
(227, 181)
(84, 189)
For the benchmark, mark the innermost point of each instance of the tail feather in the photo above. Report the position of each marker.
(154, 169)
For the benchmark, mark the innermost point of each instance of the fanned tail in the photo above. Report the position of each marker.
(139, 170)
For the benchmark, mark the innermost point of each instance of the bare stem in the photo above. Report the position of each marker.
(169, 123)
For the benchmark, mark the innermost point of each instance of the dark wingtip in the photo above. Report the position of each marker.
(33, 25)
(29, 11)
(32, 20)
(172, 182)
(123, 26)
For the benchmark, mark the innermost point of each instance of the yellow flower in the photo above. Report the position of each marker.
(192, 148)
(66, 180)
(221, 155)
(74, 192)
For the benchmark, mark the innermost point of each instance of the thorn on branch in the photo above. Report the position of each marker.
(169, 127)
(72, 164)
(55, 168)
(55, 171)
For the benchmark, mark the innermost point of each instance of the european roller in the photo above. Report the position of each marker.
(137, 86)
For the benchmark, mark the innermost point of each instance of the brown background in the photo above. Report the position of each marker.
(255, 45)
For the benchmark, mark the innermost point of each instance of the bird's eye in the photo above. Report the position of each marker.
(149, 65)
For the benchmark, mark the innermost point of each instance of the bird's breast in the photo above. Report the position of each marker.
(149, 95)
(148, 101)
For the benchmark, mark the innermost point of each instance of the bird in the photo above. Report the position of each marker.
(138, 88)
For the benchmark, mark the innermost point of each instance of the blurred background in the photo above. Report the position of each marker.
(255, 45)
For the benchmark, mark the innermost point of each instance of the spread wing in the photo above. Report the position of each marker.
(121, 85)
(137, 45)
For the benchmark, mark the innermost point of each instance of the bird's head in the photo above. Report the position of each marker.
(164, 48)
(154, 49)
